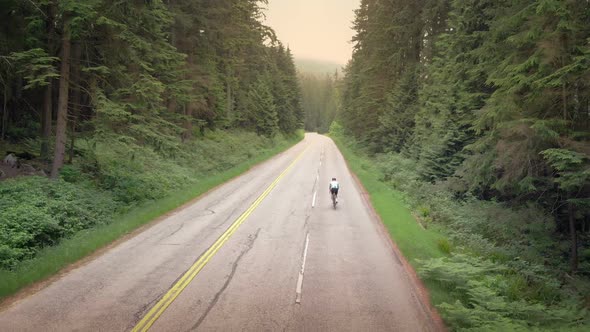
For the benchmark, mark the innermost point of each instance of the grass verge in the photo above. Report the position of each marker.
(414, 241)
(51, 260)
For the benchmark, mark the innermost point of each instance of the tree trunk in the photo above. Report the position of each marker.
(564, 101)
(92, 95)
(171, 104)
(228, 109)
(46, 115)
(4, 111)
(76, 97)
(188, 122)
(62, 107)
(574, 237)
(72, 138)
(46, 121)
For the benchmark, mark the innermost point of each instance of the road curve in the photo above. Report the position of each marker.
(293, 263)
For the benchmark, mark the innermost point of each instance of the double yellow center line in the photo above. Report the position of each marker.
(150, 318)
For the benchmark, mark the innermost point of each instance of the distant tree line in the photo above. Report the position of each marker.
(493, 95)
(147, 72)
(320, 100)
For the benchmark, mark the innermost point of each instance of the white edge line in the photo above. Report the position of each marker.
(313, 201)
(300, 279)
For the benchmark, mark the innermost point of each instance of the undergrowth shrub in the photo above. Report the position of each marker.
(486, 299)
(136, 173)
(444, 246)
(111, 175)
(485, 227)
(36, 212)
(219, 151)
(506, 269)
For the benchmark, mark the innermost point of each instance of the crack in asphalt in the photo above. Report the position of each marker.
(173, 232)
(250, 244)
(223, 197)
(138, 315)
(229, 216)
(307, 217)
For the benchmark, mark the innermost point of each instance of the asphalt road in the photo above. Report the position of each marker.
(244, 258)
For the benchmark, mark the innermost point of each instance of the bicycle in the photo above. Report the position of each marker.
(334, 201)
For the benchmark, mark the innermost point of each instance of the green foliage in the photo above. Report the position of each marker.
(453, 88)
(137, 173)
(286, 90)
(397, 121)
(573, 168)
(505, 265)
(36, 66)
(477, 224)
(424, 211)
(72, 174)
(134, 173)
(485, 301)
(262, 108)
(380, 86)
(445, 246)
(36, 212)
(321, 96)
(111, 177)
(232, 161)
(489, 72)
(144, 78)
(146, 71)
(478, 111)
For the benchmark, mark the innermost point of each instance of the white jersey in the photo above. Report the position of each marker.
(334, 185)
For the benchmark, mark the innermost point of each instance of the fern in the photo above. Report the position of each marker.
(483, 304)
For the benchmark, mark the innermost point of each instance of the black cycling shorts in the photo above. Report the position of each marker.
(334, 190)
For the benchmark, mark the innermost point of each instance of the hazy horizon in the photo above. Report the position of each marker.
(314, 30)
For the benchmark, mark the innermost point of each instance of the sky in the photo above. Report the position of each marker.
(314, 29)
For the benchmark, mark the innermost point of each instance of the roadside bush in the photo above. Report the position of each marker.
(398, 172)
(72, 174)
(485, 299)
(519, 286)
(110, 177)
(486, 227)
(136, 173)
(220, 150)
(445, 246)
(506, 270)
(36, 212)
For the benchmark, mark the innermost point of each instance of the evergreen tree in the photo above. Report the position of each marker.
(321, 100)
(262, 109)
(492, 93)
(454, 88)
(142, 73)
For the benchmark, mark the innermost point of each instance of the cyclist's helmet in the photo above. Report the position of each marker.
(333, 179)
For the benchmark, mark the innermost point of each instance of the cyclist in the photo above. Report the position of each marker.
(334, 186)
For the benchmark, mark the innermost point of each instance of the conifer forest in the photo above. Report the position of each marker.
(121, 102)
(477, 112)
(483, 107)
